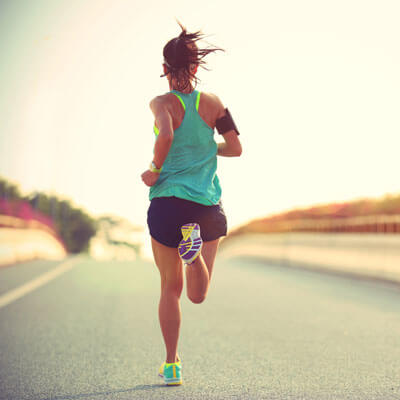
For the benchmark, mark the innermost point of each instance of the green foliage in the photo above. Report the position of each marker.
(73, 225)
(9, 190)
(78, 230)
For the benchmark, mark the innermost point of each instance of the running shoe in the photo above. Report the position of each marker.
(161, 371)
(172, 373)
(190, 246)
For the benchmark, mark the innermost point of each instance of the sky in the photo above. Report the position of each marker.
(313, 86)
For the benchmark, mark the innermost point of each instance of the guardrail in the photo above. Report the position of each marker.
(367, 255)
(363, 224)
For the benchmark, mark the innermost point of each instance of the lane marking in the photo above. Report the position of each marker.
(23, 290)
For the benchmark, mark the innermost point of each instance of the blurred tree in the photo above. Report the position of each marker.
(74, 226)
(9, 190)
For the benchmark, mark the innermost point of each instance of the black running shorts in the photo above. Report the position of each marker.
(166, 215)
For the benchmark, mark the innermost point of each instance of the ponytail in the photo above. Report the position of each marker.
(181, 54)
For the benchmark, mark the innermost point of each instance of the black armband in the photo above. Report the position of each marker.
(226, 124)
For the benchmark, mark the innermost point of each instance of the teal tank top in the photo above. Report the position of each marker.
(189, 171)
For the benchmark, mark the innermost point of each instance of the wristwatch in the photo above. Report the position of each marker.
(153, 168)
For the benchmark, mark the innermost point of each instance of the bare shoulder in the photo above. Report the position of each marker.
(213, 102)
(212, 98)
(158, 101)
(165, 102)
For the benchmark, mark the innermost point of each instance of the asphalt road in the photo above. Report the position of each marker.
(265, 332)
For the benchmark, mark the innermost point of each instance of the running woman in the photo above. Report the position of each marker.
(185, 218)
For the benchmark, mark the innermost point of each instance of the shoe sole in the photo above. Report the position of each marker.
(174, 383)
(190, 246)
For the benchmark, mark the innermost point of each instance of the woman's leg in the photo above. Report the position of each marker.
(170, 266)
(198, 274)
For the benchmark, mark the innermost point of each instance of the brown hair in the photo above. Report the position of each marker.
(182, 53)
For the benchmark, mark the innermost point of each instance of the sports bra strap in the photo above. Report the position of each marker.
(180, 98)
(183, 104)
(198, 101)
(156, 130)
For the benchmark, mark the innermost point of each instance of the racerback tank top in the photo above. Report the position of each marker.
(189, 171)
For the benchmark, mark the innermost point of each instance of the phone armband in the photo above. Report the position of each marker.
(226, 124)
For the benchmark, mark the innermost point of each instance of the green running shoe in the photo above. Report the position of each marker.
(172, 373)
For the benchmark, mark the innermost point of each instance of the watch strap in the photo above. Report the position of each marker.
(153, 168)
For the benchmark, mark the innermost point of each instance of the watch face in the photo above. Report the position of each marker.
(154, 168)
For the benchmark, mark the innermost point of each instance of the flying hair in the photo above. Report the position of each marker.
(182, 55)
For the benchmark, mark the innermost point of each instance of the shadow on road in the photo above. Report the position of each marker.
(134, 389)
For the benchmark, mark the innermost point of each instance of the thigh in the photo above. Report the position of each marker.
(164, 221)
(169, 264)
(209, 252)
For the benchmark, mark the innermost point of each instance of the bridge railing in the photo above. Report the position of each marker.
(363, 224)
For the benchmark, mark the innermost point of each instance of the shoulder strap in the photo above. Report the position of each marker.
(180, 98)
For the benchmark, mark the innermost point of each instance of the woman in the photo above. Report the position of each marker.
(185, 217)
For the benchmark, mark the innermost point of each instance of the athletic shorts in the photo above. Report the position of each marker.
(166, 215)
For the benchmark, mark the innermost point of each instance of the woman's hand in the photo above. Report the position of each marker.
(150, 178)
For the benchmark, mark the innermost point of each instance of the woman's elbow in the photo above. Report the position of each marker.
(238, 150)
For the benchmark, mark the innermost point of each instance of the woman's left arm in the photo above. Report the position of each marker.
(163, 121)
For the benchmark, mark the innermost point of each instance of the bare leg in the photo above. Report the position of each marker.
(169, 311)
(198, 274)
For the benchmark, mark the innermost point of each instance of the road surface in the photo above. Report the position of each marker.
(264, 332)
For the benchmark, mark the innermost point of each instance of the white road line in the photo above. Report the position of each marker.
(21, 291)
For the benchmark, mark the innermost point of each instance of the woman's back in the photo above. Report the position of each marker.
(189, 171)
(210, 108)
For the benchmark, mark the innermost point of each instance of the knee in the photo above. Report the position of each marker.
(173, 287)
(197, 299)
